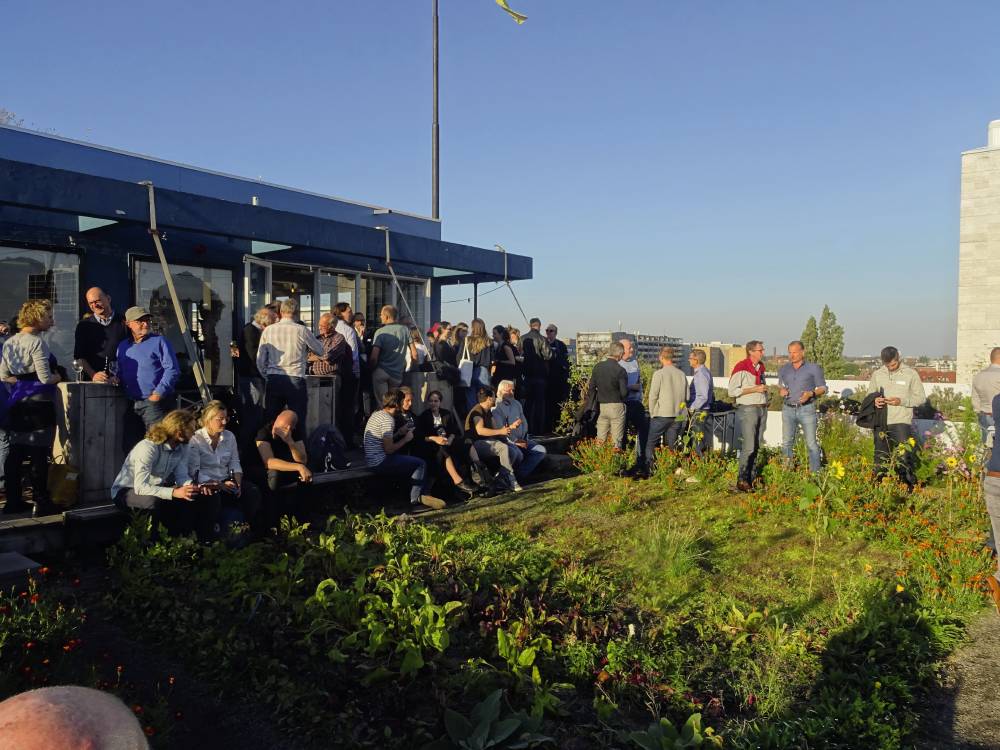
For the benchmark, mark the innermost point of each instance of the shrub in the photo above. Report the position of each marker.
(602, 458)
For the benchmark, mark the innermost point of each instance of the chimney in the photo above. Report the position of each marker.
(993, 135)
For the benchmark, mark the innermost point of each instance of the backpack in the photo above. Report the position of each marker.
(326, 449)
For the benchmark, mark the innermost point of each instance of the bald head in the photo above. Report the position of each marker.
(99, 302)
(68, 717)
(995, 355)
(287, 419)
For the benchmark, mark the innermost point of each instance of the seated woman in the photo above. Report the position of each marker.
(404, 418)
(214, 462)
(438, 442)
(28, 367)
(383, 444)
(155, 477)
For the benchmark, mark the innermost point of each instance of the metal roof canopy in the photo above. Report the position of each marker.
(32, 186)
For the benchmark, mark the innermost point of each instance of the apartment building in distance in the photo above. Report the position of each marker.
(591, 346)
(720, 358)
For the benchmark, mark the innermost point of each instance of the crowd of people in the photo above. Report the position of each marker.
(679, 409)
(196, 476)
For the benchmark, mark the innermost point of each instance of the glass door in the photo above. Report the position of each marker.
(256, 286)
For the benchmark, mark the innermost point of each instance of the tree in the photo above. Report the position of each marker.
(809, 337)
(9, 118)
(824, 343)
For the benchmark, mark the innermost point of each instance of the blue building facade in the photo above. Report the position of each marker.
(75, 215)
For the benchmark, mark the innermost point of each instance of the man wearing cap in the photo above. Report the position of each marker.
(95, 342)
(147, 369)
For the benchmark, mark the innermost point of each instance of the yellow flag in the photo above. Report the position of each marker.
(519, 17)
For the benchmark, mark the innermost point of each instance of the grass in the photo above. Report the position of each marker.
(664, 547)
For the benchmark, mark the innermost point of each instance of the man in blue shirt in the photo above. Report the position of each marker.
(635, 411)
(147, 371)
(701, 396)
(800, 384)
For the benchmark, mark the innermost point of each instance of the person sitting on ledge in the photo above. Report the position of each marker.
(281, 464)
(155, 477)
(439, 442)
(508, 411)
(383, 444)
(488, 440)
(214, 460)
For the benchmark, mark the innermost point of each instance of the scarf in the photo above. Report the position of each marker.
(745, 365)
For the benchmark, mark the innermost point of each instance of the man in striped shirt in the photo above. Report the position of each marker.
(281, 359)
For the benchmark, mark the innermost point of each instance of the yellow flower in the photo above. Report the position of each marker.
(951, 462)
(912, 442)
(868, 568)
(837, 469)
(681, 405)
(899, 588)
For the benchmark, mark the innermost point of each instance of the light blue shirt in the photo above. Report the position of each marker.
(633, 376)
(153, 470)
(505, 413)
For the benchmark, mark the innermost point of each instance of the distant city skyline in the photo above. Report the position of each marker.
(692, 169)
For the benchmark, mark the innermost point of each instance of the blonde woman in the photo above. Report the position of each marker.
(214, 462)
(155, 477)
(481, 354)
(28, 368)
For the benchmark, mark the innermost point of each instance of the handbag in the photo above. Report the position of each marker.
(465, 367)
(64, 481)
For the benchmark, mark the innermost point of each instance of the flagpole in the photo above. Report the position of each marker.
(435, 133)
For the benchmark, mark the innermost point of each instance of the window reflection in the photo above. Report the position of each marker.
(206, 299)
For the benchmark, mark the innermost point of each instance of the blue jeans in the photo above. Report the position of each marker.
(635, 416)
(985, 422)
(531, 456)
(791, 418)
(148, 413)
(480, 377)
(401, 465)
(660, 427)
(285, 392)
(752, 421)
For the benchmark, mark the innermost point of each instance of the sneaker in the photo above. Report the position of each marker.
(432, 502)
(515, 486)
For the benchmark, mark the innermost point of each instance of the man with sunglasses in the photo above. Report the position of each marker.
(557, 384)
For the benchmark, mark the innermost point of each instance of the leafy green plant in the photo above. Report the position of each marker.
(594, 457)
(662, 735)
(486, 728)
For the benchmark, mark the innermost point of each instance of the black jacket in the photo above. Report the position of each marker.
(536, 353)
(247, 343)
(871, 417)
(608, 383)
(97, 343)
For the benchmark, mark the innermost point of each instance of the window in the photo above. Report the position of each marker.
(206, 298)
(416, 297)
(334, 288)
(41, 274)
(375, 292)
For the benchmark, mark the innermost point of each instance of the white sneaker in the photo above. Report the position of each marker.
(516, 487)
(433, 502)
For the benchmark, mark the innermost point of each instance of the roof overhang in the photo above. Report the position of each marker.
(43, 188)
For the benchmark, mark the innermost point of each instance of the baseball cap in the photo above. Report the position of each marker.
(134, 313)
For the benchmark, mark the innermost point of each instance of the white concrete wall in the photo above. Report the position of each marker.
(978, 261)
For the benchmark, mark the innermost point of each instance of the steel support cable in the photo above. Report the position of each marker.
(192, 351)
(506, 281)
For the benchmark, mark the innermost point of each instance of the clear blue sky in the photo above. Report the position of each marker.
(709, 170)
